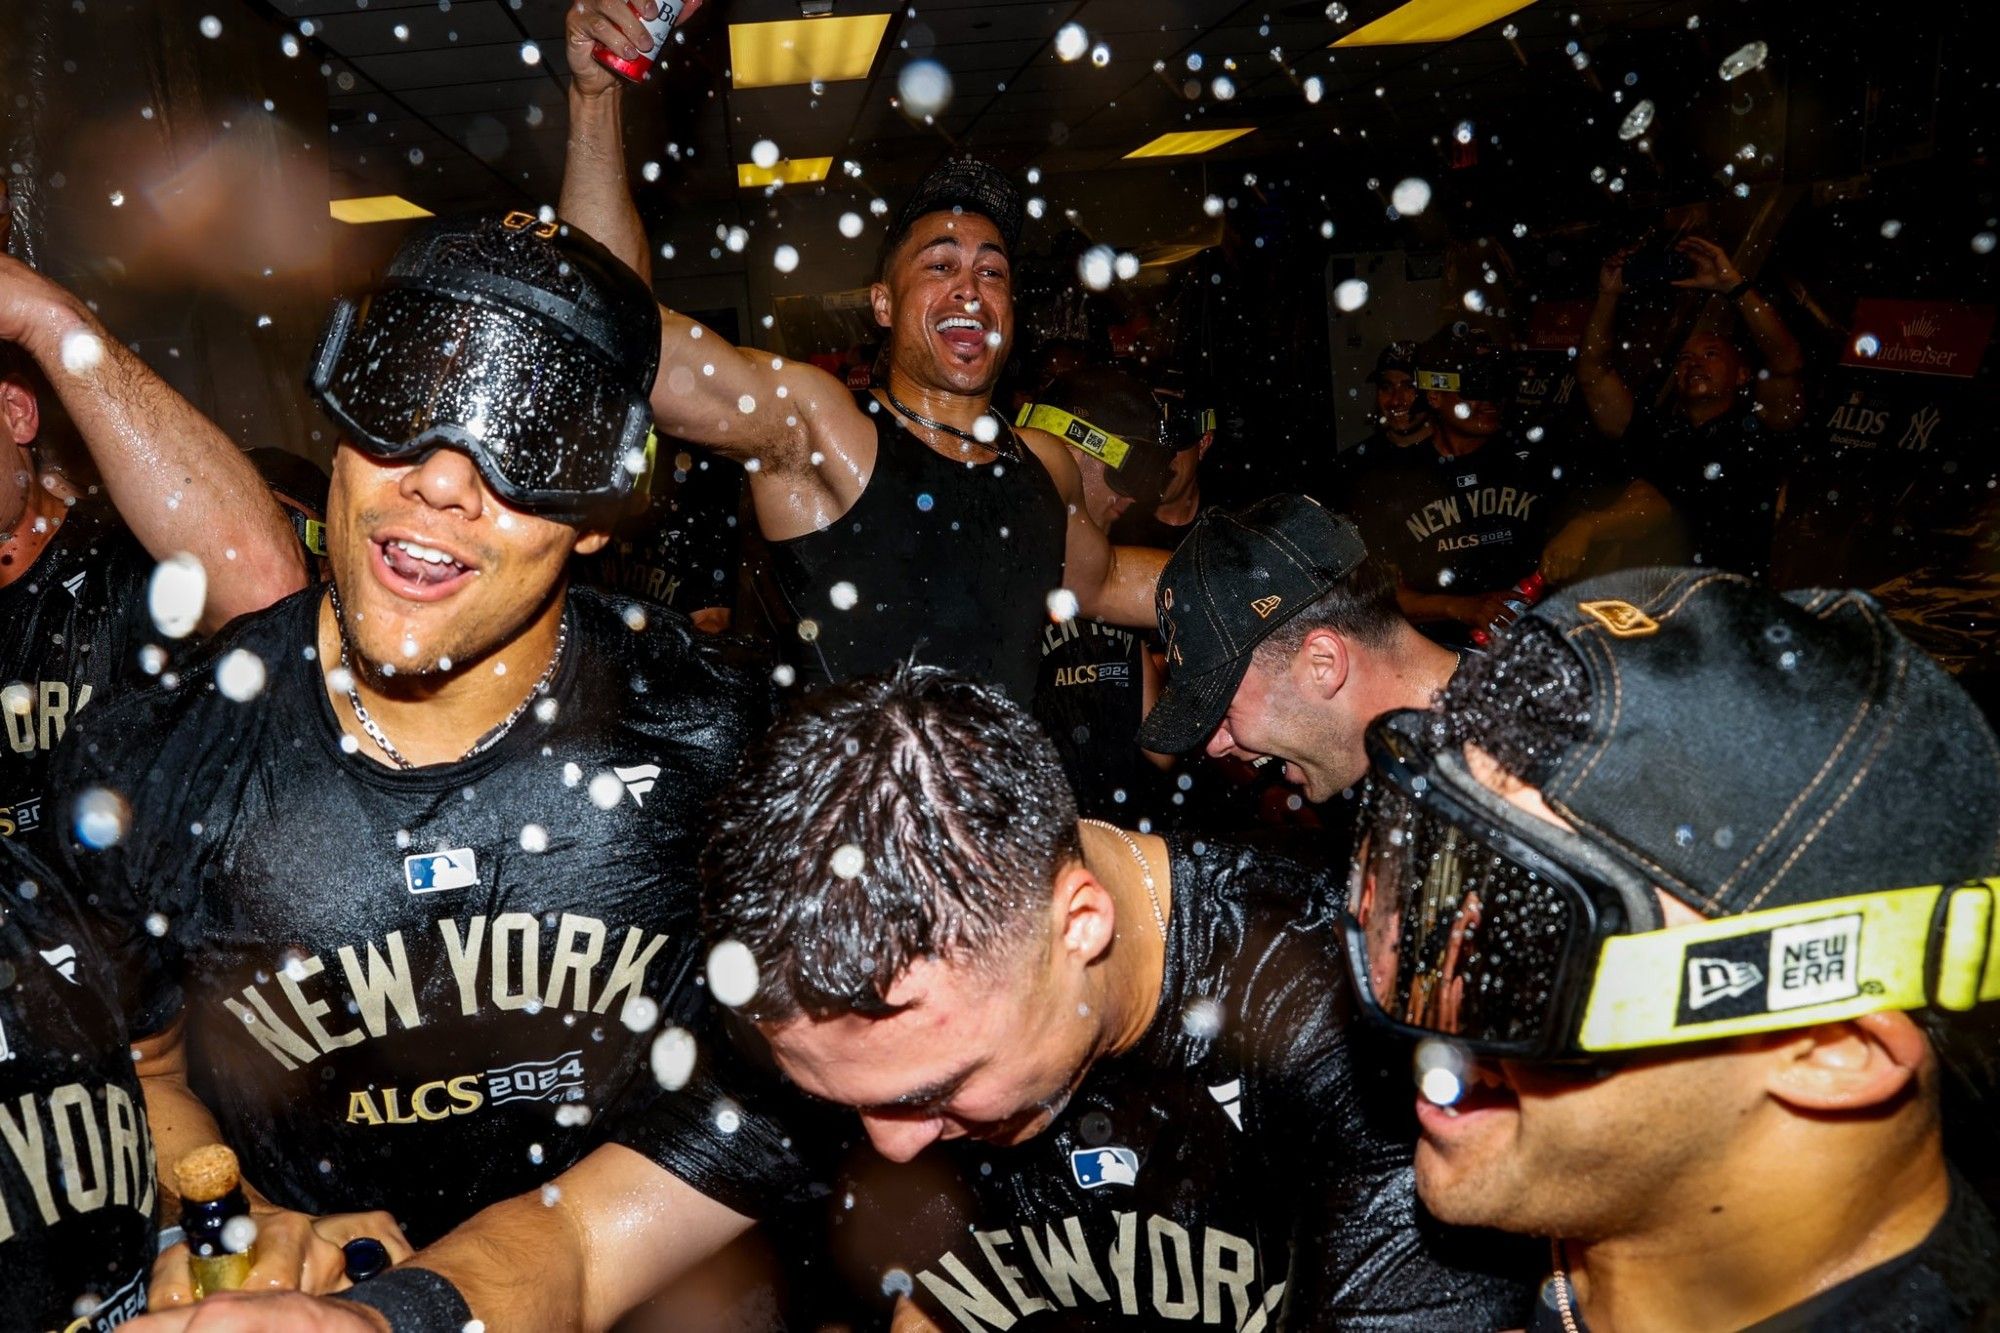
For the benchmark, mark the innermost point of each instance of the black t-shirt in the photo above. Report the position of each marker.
(685, 549)
(1722, 479)
(76, 1160)
(70, 633)
(1252, 1153)
(952, 561)
(1948, 1284)
(1471, 524)
(1090, 699)
(409, 990)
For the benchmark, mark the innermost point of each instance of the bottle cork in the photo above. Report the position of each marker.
(207, 1173)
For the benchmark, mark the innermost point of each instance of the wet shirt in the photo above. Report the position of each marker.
(427, 990)
(952, 560)
(76, 1161)
(70, 633)
(1090, 699)
(1247, 1163)
(1948, 1284)
(684, 550)
(1472, 524)
(1722, 479)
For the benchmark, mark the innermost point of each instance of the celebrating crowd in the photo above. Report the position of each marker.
(1467, 896)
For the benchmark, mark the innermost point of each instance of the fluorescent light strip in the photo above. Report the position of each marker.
(1184, 143)
(788, 51)
(787, 171)
(375, 208)
(1431, 21)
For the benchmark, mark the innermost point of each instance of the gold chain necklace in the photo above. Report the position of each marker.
(1145, 873)
(1564, 1308)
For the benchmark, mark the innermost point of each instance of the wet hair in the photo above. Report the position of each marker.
(1524, 704)
(959, 809)
(1361, 606)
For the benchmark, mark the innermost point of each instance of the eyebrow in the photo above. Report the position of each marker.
(948, 239)
(931, 1094)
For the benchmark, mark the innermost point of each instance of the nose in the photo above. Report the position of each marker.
(446, 480)
(1221, 745)
(900, 1139)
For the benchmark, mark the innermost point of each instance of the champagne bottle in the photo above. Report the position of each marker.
(211, 1198)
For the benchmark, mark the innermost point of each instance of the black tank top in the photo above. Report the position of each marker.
(950, 561)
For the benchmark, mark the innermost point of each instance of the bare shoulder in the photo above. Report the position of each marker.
(1054, 456)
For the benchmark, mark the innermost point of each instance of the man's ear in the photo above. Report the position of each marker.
(1858, 1065)
(1322, 664)
(590, 542)
(20, 412)
(1086, 917)
(878, 301)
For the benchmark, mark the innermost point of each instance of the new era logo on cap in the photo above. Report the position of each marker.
(1264, 606)
(1622, 619)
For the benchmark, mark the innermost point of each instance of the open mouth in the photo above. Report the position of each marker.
(417, 571)
(1482, 1091)
(965, 335)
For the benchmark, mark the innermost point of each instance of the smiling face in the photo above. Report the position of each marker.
(435, 572)
(947, 299)
(1396, 400)
(991, 1055)
(1464, 417)
(1269, 718)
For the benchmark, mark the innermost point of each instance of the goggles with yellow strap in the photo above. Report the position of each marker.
(1137, 469)
(1531, 944)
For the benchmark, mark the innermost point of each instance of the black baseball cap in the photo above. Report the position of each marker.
(1399, 355)
(1236, 577)
(1097, 402)
(966, 185)
(1748, 750)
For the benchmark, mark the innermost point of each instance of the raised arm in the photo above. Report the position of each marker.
(1780, 391)
(178, 482)
(1112, 583)
(596, 194)
(1604, 392)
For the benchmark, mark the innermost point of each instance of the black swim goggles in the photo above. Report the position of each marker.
(540, 409)
(1473, 921)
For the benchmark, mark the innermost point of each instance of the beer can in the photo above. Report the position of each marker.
(658, 29)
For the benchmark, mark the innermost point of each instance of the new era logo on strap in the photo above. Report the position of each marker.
(1712, 979)
(638, 780)
(1264, 606)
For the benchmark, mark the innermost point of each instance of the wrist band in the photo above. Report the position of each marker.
(413, 1300)
(1739, 289)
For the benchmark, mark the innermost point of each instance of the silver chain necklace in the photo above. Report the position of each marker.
(1145, 872)
(373, 729)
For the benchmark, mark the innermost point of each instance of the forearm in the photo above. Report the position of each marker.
(619, 1229)
(1604, 392)
(1124, 596)
(179, 1123)
(178, 482)
(1775, 344)
(596, 193)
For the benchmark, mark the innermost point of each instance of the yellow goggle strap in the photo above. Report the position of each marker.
(642, 490)
(1792, 967)
(1444, 381)
(1102, 445)
(315, 537)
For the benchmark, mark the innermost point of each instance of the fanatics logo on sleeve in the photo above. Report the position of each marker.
(638, 780)
(1097, 1167)
(437, 872)
(63, 959)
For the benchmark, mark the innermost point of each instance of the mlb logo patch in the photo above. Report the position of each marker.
(436, 872)
(1095, 1167)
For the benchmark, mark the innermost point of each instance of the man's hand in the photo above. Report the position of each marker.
(243, 1312)
(1713, 271)
(1611, 276)
(613, 24)
(293, 1251)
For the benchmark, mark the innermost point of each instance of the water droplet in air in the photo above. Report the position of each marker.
(735, 239)
(1982, 243)
(176, 595)
(785, 258)
(672, 1058)
(1744, 59)
(732, 973)
(1071, 42)
(641, 1013)
(1062, 605)
(1100, 55)
(239, 1234)
(530, 54)
(848, 861)
(102, 816)
(534, 838)
(1637, 120)
(81, 351)
(240, 675)
(1336, 12)
(606, 791)
(1213, 205)
(1094, 268)
(1224, 87)
(1411, 196)
(211, 26)
(1351, 294)
(850, 225)
(1126, 266)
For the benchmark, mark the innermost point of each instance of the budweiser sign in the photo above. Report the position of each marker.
(1920, 337)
